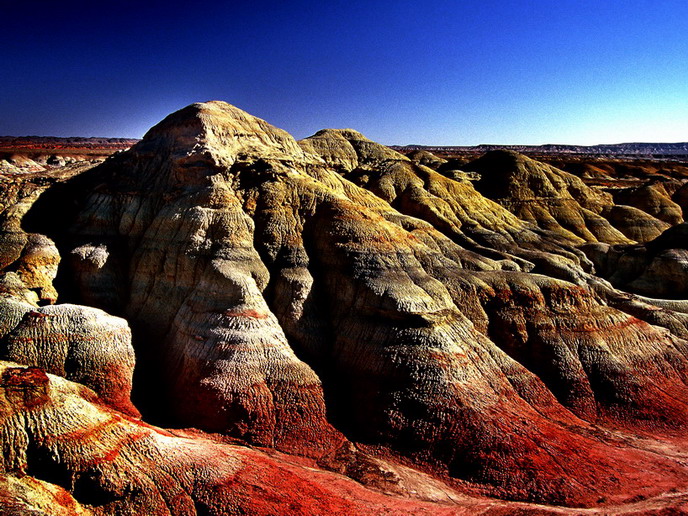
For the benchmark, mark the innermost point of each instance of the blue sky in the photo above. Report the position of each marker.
(434, 72)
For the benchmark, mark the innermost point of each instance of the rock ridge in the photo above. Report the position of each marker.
(328, 296)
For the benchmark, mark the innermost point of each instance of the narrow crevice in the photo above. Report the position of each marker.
(337, 400)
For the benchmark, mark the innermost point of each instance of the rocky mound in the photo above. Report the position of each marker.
(427, 159)
(634, 223)
(551, 198)
(79, 343)
(652, 199)
(67, 454)
(334, 300)
(656, 269)
(455, 208)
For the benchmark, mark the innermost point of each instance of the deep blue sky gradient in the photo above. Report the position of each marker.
(434, 72)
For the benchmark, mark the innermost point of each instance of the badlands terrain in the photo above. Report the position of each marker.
(35, 154)
(224, 320)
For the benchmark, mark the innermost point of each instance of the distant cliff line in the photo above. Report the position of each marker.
(655, 150)
(618, 149)
(73, 142)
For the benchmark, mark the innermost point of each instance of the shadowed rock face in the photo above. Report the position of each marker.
(658, 268)
(302, 296)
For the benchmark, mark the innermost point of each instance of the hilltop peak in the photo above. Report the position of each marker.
(223, 130)
(346, 134)
(348, 149)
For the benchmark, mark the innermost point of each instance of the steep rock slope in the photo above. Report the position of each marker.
(558, 200)
(239, 257)
(658, 268)
(64, 453)
(599, 362)
(172, 249)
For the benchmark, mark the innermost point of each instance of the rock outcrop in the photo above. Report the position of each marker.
(220, 238)
(64, 453)
(657, 269)
(455, 208)
(79, 343)
(652, 199)
(334, 300)
(549, 197)
(634, 223)
(29, 261)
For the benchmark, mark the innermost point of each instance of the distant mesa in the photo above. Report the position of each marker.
(39, 153)
(656, 150)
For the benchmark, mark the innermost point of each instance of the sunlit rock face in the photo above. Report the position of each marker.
(552, 198)
(64, 454)
(335, 300)
(165, 241)
(29, 260)
(653, 199)
(80, 343)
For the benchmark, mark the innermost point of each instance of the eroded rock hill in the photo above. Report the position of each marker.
(336, 301)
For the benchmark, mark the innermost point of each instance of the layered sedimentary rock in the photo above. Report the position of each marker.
(599, 362)
(427, 159)
(64, 453)
(303, 295)
(452, 206)
(560, 201)
(551, 198)
(657, 269)
(79, 343)
(35, 154)
(634, 223)
(28, 261)
(652, 199)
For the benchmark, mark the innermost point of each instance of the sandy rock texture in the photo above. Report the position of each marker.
(80, 343)
(656, 269)
(65, 453)
(346, 307)
(29, 261)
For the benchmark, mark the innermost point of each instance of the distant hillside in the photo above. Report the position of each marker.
(21, 154)
(618, 149)
(53, 142)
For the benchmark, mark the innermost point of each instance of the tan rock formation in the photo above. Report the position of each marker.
(427, 159)
(452, 206)
(79, 343)
(652, 199)
(29, 260)
(267, 281)
(551, 198)
(634, 223)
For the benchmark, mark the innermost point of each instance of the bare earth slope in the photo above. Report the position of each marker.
(334, 301)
